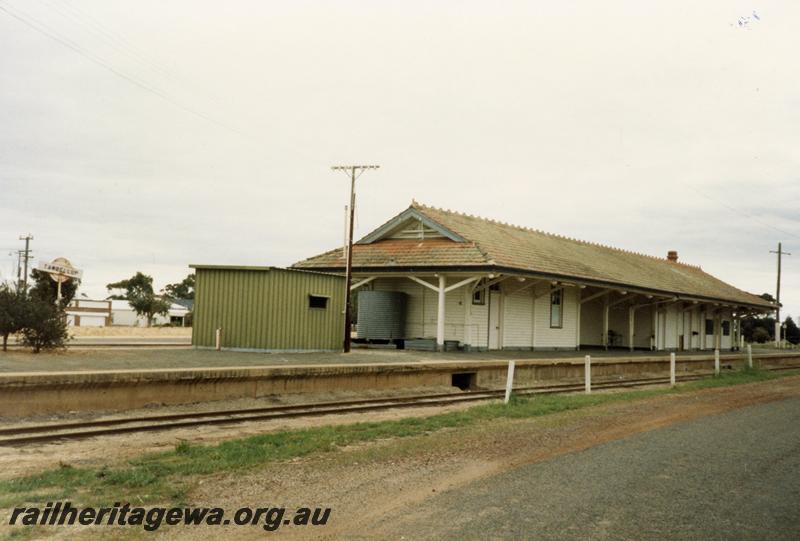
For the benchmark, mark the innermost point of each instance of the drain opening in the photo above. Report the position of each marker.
(464, 380)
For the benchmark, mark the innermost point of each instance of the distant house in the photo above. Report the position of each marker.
(123, 315)
(83, 312)
(485, 284)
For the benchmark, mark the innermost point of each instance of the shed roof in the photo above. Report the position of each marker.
(259, 268)
(468, 241)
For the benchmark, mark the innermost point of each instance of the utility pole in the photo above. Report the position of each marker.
(27, 238)
(19, 268)
(778, 296)
(354, 171)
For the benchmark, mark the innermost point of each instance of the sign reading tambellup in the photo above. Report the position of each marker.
(61, 270)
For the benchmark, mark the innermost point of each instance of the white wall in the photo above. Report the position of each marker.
(592, 323)
(422, 309)
(476, 321)
(517, 318)
(526, 321)
(123, 315)
(643, 327)
(565, 337)
(469, 323)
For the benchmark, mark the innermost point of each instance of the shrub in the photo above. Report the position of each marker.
(45, 325)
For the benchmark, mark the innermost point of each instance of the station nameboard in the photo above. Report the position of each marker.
(61, 270)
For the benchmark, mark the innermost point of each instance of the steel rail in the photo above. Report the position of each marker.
(70, 431)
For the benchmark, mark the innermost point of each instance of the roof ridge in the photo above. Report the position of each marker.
(422, 206)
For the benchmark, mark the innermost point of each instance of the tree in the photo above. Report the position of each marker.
(760, 335)
(792, 331)
(46, 289)
(44, 326)
(139, 294)
(760, 328)
(181, 290)
(12, 308)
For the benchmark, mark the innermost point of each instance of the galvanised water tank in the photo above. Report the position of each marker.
(381, 315)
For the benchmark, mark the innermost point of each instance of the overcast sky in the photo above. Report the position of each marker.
(149, 135)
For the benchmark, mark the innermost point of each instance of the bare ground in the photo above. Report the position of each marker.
(16, 461)
(367, 485)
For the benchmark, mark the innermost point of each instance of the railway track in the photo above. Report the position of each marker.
(44, 433)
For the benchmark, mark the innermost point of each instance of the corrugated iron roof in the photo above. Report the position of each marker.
(491, 243)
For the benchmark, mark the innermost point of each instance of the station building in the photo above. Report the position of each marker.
(483, 284)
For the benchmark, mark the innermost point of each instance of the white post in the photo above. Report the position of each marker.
(509, 381)
(749, 356)
(218, 339)
(440, 315)
(631, 326)
(577, 320)
(702, 327)
(587, 373)
(716, 362)
(672, 369)
(605, 322)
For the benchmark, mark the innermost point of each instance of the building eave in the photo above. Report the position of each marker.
(494, 269)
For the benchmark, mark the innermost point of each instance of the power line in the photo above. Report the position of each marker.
(92, 22)
(44, 29)
(69, 14)
(739, 211)
(126, 47)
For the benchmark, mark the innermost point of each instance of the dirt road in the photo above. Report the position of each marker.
(384, 491)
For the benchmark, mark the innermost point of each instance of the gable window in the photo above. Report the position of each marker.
(556, 308)
(709, 326)
(416, 230)
(479, 297)
(726, 328)
(317, 301)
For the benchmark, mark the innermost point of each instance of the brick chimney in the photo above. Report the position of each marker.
(672, 255)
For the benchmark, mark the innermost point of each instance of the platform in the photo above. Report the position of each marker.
(35, 392)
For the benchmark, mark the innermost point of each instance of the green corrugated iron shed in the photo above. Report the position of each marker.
(267, 308)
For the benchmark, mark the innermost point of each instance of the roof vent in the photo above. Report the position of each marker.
(672, 255)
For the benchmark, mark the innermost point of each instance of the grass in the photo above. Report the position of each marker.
(168, 476)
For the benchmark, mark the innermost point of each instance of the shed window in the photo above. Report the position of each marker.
(556, 311)
(317, 301)
(709, 326)
(726, 328)
(479, 296)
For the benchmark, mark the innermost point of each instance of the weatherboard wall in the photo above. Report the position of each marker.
(267, 309)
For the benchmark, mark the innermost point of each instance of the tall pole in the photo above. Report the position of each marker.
(348, 316)
(27, 238)
(355, 171)
(778, 296)
(19, 269)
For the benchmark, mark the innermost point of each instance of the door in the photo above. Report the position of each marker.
(494, 320)
(661, 330)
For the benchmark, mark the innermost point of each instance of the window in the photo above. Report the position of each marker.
(709, 326)
(556, 312)
(317, 301)
(726, 328)
(479, 296)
